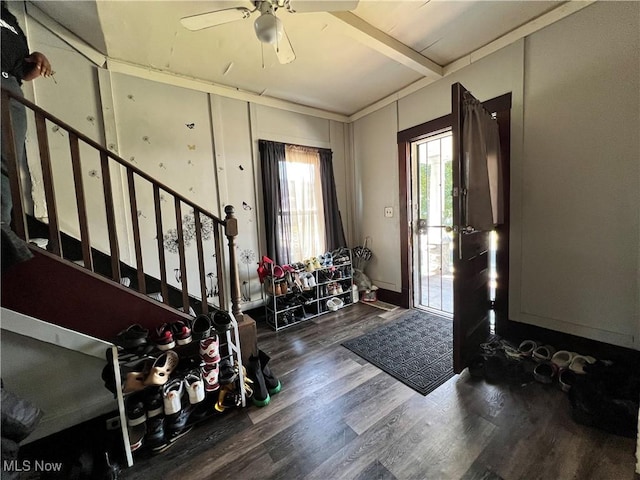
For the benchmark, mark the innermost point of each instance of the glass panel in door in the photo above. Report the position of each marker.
(433, 221)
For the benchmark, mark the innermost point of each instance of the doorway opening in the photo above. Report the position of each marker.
(432, 174)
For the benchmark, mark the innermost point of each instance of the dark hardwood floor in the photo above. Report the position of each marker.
(339, 417)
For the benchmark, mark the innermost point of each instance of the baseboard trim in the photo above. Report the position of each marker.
(394, 298)
(517, 332)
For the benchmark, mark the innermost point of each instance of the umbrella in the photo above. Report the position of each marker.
(361, 256)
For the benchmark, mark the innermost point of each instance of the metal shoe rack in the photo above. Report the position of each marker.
(120, 358)
(290, 300)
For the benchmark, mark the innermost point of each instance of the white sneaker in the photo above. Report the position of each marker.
(172, 395)
(195, 387)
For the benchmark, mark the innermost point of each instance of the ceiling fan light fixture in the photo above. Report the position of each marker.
(268, 28)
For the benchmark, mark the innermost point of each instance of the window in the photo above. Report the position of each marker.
(301, 212)
(305, 212)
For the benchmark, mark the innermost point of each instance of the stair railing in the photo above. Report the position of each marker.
(229, 226)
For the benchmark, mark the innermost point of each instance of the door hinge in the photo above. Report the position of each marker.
(492, 304)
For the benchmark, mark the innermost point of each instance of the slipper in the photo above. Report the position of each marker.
(164, 365)
(562, 358)
(543, 353)
(136, 373)
(578, 363)
(567, 378)
(544, 372)
(527, 347)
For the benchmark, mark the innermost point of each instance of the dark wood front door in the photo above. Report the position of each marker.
(471, 321)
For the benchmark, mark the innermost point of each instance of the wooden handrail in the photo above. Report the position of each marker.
(55, 244)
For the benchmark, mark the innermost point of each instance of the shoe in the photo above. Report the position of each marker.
(162, 368)
(176, 425)
(334, 304)
(260, 396)
(272, 383)
(308, 265)
(210, 374)
(136, 421)
(312, 281)
(210, 349)
(195, 387)
(153, 402)
(132, 337)
(163, 338)
(316, 263)
(155, 439)
(181, 332)
(227, 398)
(476, 366)
(172, 396)
(228, 373)
(222, 321)
(201, 327)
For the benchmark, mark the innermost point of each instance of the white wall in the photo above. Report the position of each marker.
(575, 176)
(580, 175)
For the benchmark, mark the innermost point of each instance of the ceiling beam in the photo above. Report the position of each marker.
(387, 45)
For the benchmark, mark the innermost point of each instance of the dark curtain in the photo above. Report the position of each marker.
(332, 219)
(276, 201)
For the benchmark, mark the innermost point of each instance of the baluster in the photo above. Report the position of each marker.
(183, 263)
(111, 217)
(85, 239)
(164, 290)
(203, 282)
(217, 244)
(49, 191)
(135, 224)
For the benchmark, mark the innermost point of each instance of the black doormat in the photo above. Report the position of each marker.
(417, 350)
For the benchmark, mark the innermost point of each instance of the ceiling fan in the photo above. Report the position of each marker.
(268, 27)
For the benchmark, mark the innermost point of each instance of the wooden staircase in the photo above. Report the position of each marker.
(75, 285)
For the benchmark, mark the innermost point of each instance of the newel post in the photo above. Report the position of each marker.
(231, 232)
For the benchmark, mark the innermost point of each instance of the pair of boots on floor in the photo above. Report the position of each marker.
(265, 383)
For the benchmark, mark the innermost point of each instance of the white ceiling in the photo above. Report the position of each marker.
(345, 61)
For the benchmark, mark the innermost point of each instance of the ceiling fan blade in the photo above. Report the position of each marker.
(211, 19)
(284, 50)
(308, 6)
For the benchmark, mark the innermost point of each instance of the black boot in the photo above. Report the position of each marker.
(261, 396)
(272, 383)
